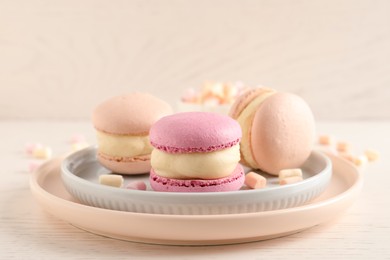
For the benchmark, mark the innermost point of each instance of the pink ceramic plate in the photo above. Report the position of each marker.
(50, 192)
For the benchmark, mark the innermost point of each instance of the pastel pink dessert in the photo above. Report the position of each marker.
(278, 129)
(122, 126)
(196, 152)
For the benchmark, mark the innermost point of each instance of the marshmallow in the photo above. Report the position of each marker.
(42, 152)
(290, 180)
(34, 165)
(289, 176)
(189, 95)
(343, 151)
(213, 90)
(360, 160)
(343, 147)
(213, 93)
(136, 185)
(30, 147)
(230, 92)
(290, 173)
(255, 181)
(77, 138)
(211, 101)
(372, 155)
(325, 140)
(111, 180)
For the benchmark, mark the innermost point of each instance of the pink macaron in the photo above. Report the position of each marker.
(122, 124)
(196, 152)
(278, 129)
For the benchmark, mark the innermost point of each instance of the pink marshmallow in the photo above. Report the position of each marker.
(190, 96)
(77, 138)
(255, 181)
(343, 147)
(30, 147)
(325, 140)
(136, 185)
(34, 165)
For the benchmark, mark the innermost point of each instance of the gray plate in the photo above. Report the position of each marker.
(81, 171)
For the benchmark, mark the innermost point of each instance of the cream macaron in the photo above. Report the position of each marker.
(278, 129)
(122, 124)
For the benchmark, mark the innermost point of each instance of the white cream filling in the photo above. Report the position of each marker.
(213, 165)
(123, 145)
(245, 120)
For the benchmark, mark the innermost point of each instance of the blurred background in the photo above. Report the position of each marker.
(58, 59)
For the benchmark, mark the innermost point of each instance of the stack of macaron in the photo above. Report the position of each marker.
(196, 152)
(123, 123)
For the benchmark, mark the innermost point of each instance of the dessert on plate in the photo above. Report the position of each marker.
(278, 129)
(214, 97)
(196, 152)
(122, 124)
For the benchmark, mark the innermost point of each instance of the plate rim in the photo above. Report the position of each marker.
(51, 203)
(257, 199)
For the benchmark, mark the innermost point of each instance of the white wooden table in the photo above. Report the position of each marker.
(28, 232)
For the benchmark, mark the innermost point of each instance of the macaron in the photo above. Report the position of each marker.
(122, 125)
(278, 129)
(196, 152)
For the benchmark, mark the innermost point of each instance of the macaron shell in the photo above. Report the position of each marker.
(125, 167)
(230, 183)
(246, 108)
(131, 114)
(282, 134)
(194, 132)
(245, 98)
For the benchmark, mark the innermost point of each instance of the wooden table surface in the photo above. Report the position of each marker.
(28, 232)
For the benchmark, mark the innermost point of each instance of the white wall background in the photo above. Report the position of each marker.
(58, 59)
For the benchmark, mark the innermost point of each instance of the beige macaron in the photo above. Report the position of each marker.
(122, 124)
(278, 129)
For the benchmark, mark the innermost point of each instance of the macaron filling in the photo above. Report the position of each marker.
(245, 120)
(196, 148)
(211, 165)
(123, 145)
